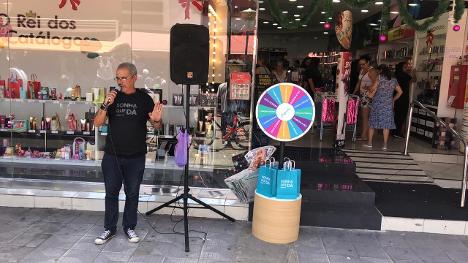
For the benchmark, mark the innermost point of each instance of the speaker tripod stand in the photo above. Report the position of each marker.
(186, 194)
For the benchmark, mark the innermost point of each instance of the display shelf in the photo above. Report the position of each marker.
(35, 134)
(168, 164)
(69, 102)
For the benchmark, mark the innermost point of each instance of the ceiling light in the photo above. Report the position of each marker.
(322, 22)
(290, 22)
(292, 0)
(323, 12)
(394, 12)
(284, 12)
(260, 2)
(236, 6)
(330, 18)
(373, 24)
(279, 27)
(297, 19)
(304, 25)
(275, 24)
(413, 4)
(336, 1)
(262, 9)
(300, 6)
(248, 10)
(378, 3)
(238, 18)
(266, 22)
(364, 11)
(325, 33)
(296, 15)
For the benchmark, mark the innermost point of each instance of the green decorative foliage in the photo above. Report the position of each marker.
(385, 17)
(328, 9)
(359, 3)
(283, 20)
(408, 19)
(459, 10)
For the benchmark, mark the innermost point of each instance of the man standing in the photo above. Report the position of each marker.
(128, 111)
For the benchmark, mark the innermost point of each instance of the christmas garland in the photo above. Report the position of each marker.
(283, 20)
(405, 15)
(459, 10)
(358, 3)
(385, 17)
(408, 19)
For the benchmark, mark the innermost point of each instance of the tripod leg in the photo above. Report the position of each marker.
(212, 208)
(164, 205)
(186, 226)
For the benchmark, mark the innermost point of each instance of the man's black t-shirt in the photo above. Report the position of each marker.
(127, 124)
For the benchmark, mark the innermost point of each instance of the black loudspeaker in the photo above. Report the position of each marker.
(190, 46)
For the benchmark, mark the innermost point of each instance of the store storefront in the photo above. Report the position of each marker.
(59, 60)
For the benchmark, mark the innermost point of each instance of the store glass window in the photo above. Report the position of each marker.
(59, 60)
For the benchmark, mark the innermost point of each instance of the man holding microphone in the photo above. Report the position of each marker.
(128, 111)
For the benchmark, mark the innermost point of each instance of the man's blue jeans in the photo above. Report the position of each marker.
(118, 170)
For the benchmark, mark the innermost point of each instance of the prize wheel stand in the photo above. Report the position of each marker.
(285, 112)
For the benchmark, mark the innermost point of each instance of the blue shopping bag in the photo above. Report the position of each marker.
(266, 182)
(288, 181)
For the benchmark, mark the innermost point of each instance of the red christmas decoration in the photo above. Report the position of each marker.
(186, 5)
(74, 4)
(327, 26)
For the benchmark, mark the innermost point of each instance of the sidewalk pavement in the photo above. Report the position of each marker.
(49, 235)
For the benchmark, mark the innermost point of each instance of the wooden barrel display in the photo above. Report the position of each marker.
(276, 221)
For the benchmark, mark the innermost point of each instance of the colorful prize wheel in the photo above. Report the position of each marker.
(285, 112)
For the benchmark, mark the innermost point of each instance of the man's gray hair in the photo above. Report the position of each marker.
(129, 66)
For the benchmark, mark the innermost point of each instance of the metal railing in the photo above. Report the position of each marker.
(448, 128)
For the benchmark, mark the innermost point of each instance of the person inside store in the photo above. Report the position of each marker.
(312, 76)
(279, 72)
(405, 75)
(368, 81)
(128, 111)
(383, 102)
(261, 67)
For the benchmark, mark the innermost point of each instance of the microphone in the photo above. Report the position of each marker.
(110, 90)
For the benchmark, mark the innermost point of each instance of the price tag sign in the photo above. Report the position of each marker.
(70, 132)
(31, 131)
(86, 133)
(42, 131)
(55, 132)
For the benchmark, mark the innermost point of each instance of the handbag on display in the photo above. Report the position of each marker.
(13, 89)
(288, 181)
(328, 110)
(79, 149)
(34, 87)
(181, 148)
(266, 183)
(2, 88)
(352, 111)
(71, 122)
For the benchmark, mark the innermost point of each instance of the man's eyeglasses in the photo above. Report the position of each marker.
(122, 78)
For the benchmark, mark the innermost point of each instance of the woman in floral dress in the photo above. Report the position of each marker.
(381, 114)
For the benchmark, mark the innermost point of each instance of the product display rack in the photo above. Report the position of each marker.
(423, 125)
(45, 137)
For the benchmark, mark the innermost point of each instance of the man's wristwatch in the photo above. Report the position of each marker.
(104, 107)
